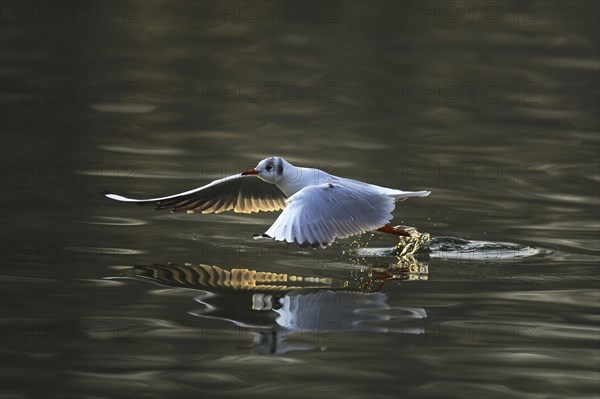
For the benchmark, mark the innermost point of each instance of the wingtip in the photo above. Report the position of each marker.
(108, 194)
(262, 237)
(113, 196)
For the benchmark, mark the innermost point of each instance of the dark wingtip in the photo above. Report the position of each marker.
(104, 193)
(262, 236)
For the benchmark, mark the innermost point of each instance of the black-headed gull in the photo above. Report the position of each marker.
(317, 207)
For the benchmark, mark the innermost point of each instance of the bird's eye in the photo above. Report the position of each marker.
(269, 167)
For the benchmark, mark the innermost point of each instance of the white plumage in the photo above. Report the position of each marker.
(321, 213)
(319, 207)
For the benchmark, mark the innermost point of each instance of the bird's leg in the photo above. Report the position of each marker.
(394, 230)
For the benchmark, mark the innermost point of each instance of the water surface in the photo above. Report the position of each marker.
(498, 118)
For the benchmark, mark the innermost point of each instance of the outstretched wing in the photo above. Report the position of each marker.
(238, 193)
(317, 215)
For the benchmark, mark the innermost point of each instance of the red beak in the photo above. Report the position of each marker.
(249, 172)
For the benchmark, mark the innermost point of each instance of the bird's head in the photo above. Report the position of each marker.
(269, 169)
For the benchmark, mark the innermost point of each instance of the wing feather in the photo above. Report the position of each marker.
(317, 215)
(242, 194)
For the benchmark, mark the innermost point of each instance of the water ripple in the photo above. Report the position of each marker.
(124, 108)
(144, 151)
(455, 248)
(114, 221)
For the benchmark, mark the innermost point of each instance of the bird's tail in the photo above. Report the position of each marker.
(400, 195)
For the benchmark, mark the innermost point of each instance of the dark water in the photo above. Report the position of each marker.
(494, 110)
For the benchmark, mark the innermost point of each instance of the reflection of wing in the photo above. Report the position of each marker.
(204, 276)
(337, 311)
(241, 194)
(317, 215)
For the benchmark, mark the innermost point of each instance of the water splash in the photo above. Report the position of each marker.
(422, 245)
(458, 248)
(410, 245)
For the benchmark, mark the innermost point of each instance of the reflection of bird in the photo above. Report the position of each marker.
(292, 312)
(317, 207)
(316, 319)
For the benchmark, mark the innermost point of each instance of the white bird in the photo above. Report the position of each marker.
(317, 207)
